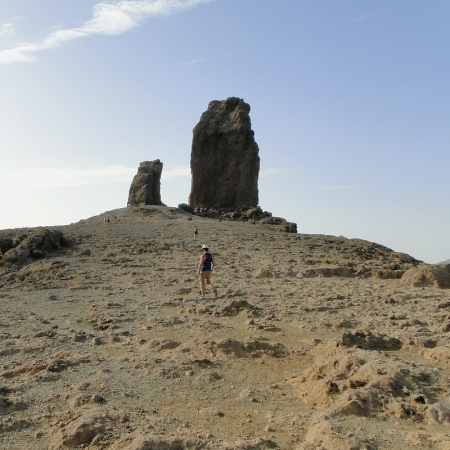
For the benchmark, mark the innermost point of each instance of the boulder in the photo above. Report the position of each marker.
(146, 185)
(290, 227)
(253, 212)
(439, 413)
(369, 341)
(37, 244)
(82, 431)
(224, 158)
(428, 275)
(6, 243)
(186, 208)
(273, 221)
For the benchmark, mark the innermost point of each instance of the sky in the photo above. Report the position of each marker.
(350, 105)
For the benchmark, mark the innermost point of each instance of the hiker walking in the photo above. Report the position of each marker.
(195, 232)
(204, 270)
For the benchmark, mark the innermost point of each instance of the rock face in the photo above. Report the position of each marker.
(224, 157)
(146, 185)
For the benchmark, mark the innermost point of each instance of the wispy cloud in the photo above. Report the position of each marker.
(7, 29)
(109, 18)
(52, 178)
(363, 17)
(337, 187)
(198, 61)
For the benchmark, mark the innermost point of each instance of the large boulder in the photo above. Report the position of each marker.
(428, 275)
(146, 185)
(34, 245)
(224, 157)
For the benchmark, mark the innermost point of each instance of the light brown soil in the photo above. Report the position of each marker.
(313, 342)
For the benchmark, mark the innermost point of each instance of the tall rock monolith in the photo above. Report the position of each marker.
(224, 157)
(146, 185)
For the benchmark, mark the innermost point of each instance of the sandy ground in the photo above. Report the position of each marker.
(107, 343)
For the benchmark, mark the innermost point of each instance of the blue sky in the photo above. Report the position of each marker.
(349, 103)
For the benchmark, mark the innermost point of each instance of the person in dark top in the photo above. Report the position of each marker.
(205, 268)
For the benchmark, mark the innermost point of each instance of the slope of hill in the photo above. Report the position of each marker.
(313, 342)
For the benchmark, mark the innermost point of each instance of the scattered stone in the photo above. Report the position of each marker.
(186, 208)
(98, 398)
(264, 274)
(97, 341)
(83, 430)
(369, 341)
(211, 412)
(250, 348)
(236, 306)
(163, 344)
(290, 227)
(439, 413)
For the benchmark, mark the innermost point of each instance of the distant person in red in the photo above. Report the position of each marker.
(195, 232)
(204, 270)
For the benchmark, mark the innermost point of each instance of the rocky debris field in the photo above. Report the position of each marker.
(314, 342)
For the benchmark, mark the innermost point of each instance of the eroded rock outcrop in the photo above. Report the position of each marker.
(224, 157)
(21, 248)
(367, 383)
(427, 275)
(146, 185)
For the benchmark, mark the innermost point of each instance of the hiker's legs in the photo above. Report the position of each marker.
(213, 288)
(208, 279)
(205, 278)
(202, 282)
